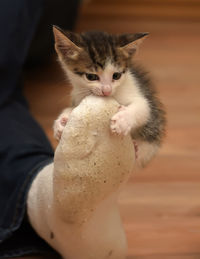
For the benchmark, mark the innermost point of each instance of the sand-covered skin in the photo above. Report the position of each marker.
(72, 203)
(90, 162)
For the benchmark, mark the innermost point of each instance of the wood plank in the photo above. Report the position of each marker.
(144, 2)
(144, 10)
(164, 256)
(161, 218)
(143, 200)
(174, 235)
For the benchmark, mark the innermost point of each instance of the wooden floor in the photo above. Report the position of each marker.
(160, 205)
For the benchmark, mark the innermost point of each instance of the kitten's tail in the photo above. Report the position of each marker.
(145, 152)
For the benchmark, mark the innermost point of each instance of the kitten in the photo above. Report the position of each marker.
(102, 64)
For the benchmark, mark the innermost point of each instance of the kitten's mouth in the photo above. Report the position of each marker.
(102, 94)
(106, 93)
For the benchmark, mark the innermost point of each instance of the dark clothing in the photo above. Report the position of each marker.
(24, 148)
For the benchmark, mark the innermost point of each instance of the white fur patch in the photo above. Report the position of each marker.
(129, 95)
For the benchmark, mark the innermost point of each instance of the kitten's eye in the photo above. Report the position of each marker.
(117, 75)
(92, 77)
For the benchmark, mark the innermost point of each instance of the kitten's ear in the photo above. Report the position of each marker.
(63, 45)
(130, 42)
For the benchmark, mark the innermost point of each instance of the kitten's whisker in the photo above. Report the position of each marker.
(83, 92)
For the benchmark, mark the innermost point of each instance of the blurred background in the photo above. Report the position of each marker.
(161, 205)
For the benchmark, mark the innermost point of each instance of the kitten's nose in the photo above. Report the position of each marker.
(106, 90)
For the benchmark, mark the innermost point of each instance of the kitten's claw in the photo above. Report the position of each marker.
(63, 121)
(121, 122)
(122, 107)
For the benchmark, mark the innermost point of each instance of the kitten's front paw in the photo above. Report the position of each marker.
(60, 123)
(58, 127)
(121, 122)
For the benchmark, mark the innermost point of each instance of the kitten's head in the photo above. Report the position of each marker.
(96, 62)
